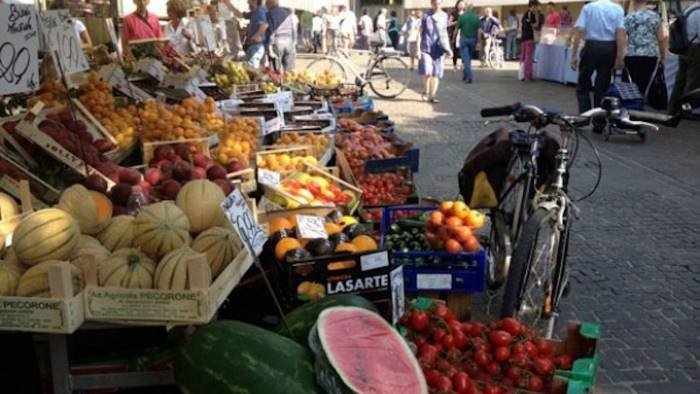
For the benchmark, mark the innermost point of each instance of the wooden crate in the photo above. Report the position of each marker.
(201, 145)
(166, 307)
(323, 155)
(244, 180)
(296, 151)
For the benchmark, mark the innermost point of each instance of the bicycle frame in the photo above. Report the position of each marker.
(342, 58)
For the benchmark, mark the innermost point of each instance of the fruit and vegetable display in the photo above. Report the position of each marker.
(502, 356)
(287, 161)
(229, 74)
(318, 142)
(314, 188)
(238, 142)
(361, 143)
(385, 188)
(190, 119)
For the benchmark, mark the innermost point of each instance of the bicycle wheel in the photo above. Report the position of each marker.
(529, 289)
(328, 65)
(388, 77)
(495, 59)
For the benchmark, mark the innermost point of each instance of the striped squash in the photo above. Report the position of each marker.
(161, 228)
(220, 245)
(48, 234)
(127, 268)
(172, 273)
(118, 234)
(201, 201)
(88, 246)
(35, 282)
(9, 278)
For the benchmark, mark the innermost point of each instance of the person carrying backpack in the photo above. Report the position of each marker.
(685, 41)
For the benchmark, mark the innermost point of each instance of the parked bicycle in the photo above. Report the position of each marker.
(385, 72)
(531, 211)
(495, 57)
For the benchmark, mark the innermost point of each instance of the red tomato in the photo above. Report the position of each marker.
(428, 354)
(523, 382)
(443, 365)
(511, 325)
(483, 376)
(419, 340)
(531, 349)
(543, 365)
(438, 334)
(513, 373)
(508, 382)
(502, 353)
(493, 368)
(448, 341)
(444, 384)
(470, 367)
(493, 390)
(564, 361)
(419, 321)
(451, 372)
(493, 326)
(477, 329)
(432, 376)
(441, 310)
(518, 348)
(501, 338)
(481, 358)
(519, 360)
(450, 317)
(544, 347)
(467, 328)
(461, 382)
(461, 340)
(535, 383)
(406, 319)
(472, 390)
(454, 326)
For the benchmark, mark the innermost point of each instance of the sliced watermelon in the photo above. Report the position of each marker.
(365, 353)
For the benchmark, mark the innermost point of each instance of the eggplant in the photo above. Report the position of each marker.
(355, 229)
(320, 247)
(337, 238)
(334, 216)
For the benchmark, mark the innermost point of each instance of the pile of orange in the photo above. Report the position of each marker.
(189, 119)
(238, 140)
(451, 227)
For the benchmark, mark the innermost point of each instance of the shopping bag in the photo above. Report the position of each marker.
(521, 71)
(657, 93)
(627, 91)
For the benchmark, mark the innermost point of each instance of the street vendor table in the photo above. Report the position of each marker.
(551, 62)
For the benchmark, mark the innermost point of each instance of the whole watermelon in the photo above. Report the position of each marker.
(301, 319)
(233, 357)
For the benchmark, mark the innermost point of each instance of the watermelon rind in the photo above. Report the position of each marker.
(318, 342)
(326, 376)
(234, 357)
(301, 319)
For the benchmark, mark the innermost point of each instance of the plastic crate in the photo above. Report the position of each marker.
(454, 273)
(410, 159)
(364, 103)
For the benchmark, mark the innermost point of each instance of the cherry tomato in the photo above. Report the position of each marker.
(492, 390)
(406, 319)
(444, 384)
(519, 360)
(454, 326)
(502, 353)
(500, 338)
(448, 341)
(432, 376)
(467, 328)
(531, 349)
(493, 326)
(544, 347)
(460, 339)
(450, 317)
(461, 382)
(470, 367)
(543, 365)
(472, 390)
(438, 334)
(428, 354)
(483, 376)
(513, 373)
(441, 310)
(518, 348)
(493, 368)
(419, 321)
(477, 329)
(419, 340)
(535, 383)
(481, 358)
(508, 382)
(511, 325)
(564, 361)
(443, 365)
(523, 382)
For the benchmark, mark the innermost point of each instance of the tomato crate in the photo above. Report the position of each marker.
(434, 271)
(410, 159)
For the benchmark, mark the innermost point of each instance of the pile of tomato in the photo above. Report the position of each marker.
(384, 189)
(495, 358)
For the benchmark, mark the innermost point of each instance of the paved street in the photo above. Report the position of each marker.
(634, 251)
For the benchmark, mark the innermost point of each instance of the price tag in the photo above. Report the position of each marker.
(151, 67)
(272, 125)
(434, 281)
(267, 177)
(284, 100)
(266, 205)
(62, 41)
(239, 215)
(374, 261)
(114, 75)
(311, 227)
(19, 49)
(230, 105)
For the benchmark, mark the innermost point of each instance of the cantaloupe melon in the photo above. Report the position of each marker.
(47, 234)
(220, 245)
(8, 206)
(172, 272)
(127, 268)
(161, 228)
(201, 201)
(118, 234)
(88, 247)
(91, 209)
(35, 282)
(9, 278)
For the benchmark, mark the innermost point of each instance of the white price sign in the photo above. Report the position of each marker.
(311, 227)
(284, 100)
(434, 282)
(151, 67)
(273, 125)
(267, 177)
(239, 214)
(19, 49)
(63, 41)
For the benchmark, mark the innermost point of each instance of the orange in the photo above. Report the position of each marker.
(460, 209)
(436, 218)
(453, 222)
(452, 246)
(462, 234)
(364, 243)
(443, 233)
(476, 219)
(346, 247)
(285, 245)
(332, 228)
(471, 245)
(446, 207)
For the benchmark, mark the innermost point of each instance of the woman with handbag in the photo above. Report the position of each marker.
(646, 44)
(434, 45)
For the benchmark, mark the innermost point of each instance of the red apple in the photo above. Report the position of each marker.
(225, 185)
(130, 176)
(169, 189)
(200, 160)
(164, 152)
(96, 183)
(216, 172)
(120, 193)
(199, 173)
(182, 171)
(153, 176)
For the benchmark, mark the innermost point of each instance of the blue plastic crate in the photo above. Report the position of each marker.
(454, 273)
(365, 103)
(410, 159)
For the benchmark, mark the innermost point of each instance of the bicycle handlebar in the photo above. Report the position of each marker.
(651, 117)
(506, 110)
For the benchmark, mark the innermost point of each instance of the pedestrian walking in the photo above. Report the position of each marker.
(434, 45)
(317, 31)
(332, 25)
(688, 75)
(512, 27)
(366, 29)
(307, 34)
(281, 36)
(646, 43)
(457, 11)
(393, 30)
(411, 31)
(256, 36)
(380, 24)
(602, 25)
(348, 28)
(527, 39)
(468, 27)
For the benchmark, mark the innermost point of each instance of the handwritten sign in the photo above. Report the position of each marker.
(311, 227)
(238, 213)
(272, 125)
(151, 67)
(267, 177)
(114, 75)
(19, 49)
(284, 100)
(63, 41)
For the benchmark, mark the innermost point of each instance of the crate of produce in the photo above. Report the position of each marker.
(285, 160)
(322, 143)
(196, 304)
(461, 268)
(192, 145)
(409, 159)
(346, 105)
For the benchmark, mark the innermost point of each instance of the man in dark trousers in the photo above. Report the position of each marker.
(602, 25)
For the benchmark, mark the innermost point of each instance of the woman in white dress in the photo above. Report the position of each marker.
(178, 29)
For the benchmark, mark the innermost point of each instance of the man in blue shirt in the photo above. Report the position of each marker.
(281, 36)
(602, 25)
(255, 36)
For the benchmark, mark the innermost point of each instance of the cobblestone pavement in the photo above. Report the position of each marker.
(634, 251)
